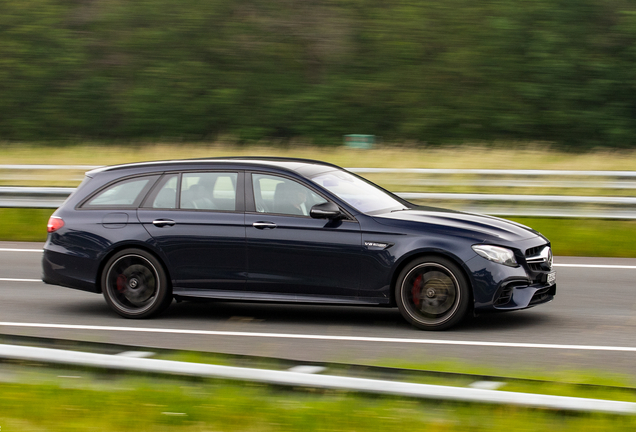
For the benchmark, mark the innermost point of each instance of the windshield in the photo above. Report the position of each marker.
(356, 192)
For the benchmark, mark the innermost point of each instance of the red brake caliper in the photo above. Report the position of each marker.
(416, 290)
(121, 283)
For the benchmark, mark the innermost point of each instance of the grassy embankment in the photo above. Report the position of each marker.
(142, 405)
(52, 399)
(581, 237)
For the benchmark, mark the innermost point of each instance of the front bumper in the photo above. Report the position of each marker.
(520, 294)
(497, 287)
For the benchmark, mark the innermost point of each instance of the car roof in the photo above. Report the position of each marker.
(302, 166)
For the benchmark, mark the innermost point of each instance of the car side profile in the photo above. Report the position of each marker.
(286, 230)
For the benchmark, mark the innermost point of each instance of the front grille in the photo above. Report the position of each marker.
(533, 254)
(534, 250)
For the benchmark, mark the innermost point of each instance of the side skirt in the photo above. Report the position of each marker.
(274, 297)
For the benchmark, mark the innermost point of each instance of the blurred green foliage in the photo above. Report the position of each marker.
(429, 71)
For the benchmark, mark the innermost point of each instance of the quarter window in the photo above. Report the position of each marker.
(126, 193)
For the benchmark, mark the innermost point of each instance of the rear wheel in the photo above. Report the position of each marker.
(432, 293)
(135, 285)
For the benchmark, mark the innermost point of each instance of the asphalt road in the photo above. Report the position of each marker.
(590, 325)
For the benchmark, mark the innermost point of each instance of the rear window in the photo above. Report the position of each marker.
(126, 193)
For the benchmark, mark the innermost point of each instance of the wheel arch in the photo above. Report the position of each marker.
(408, 259)
(121, 247)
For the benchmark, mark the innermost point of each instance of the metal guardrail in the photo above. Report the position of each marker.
(629, 174)
(33, 197)
(299, 379)
(497, 204)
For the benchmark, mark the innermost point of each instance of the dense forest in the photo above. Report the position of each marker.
(420, 70)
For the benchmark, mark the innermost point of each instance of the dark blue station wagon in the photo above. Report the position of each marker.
(286, 230)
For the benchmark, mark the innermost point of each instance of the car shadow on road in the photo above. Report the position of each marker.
(285, 314)
(321, 315)
(294, 315)
(506, 321)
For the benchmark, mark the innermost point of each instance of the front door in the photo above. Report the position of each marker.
(292, 254)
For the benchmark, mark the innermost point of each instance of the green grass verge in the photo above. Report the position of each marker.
(20, 224)
(586, 237)
(163, 404)
(569, 237)
(38, 397)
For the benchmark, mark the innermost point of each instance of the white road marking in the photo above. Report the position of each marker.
(321, 337)
(603, 266)
(19, 280)
(21, 250)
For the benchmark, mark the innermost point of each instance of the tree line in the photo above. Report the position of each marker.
(422, 70)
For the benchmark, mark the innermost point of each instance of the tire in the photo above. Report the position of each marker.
(432, 293)
(135, 284)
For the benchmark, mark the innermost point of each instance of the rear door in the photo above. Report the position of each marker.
(198, 221)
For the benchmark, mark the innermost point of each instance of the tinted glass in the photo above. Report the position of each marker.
(126, 193)
(166, 196)
(209, 191)
(273, 194)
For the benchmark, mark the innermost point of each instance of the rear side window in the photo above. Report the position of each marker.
(126, 193)
(209, 191)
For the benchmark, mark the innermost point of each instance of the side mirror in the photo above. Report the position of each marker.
(326, 210)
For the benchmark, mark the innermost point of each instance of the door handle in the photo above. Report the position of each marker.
(163, 222)
(264, 225)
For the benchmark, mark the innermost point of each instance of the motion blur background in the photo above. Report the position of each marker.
(425, 71)
(441, 84)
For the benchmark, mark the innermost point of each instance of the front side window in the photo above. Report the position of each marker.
(274, 194)
(209, 191)
(356, 192)
(126, 193)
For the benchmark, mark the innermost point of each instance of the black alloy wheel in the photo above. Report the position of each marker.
(432, 293)
(135, 285)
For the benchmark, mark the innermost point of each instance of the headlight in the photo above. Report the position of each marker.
(496, 254)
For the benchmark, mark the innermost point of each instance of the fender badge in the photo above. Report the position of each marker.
(376, 245)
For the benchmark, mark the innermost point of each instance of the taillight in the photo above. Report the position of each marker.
(55, 223)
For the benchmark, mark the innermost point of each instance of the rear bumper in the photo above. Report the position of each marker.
(62, 269)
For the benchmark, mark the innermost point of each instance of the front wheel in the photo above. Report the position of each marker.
(135, 285)
(432, 293)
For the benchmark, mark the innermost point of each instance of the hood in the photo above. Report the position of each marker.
(480, 227)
